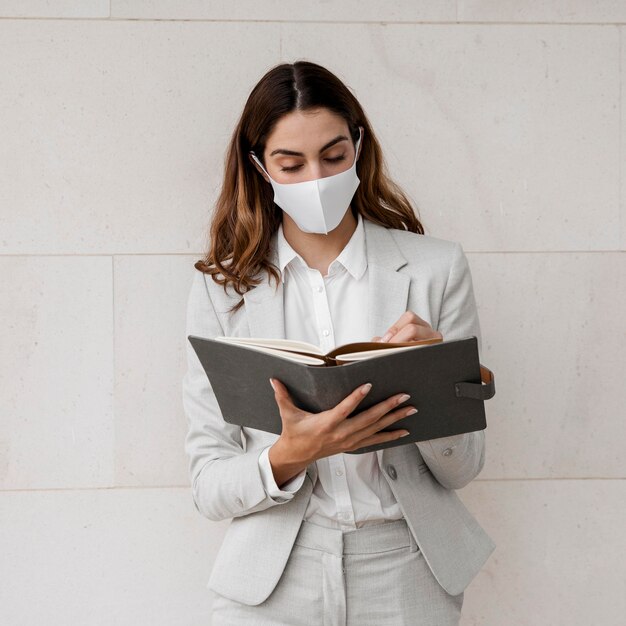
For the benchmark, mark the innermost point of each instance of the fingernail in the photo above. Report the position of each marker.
(413, 410)
(406, 433)
(272, 383)
(365, 388)
(403, 398)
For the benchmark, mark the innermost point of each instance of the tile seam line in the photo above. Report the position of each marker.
(113, 452)
(301, 21)
(620, 219)
(115, 254)
(153, 487)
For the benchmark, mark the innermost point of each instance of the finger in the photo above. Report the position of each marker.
(386, 420)
(349, 403)
(412, 332)
(371, 416)
(416, 319)
(391, 435)
(281, 394)
(409, 332)
(408, 317)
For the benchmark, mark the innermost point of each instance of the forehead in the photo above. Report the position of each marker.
(302, 130)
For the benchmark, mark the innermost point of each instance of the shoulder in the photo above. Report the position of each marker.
(414, 243)
(205, 289)
(422, 249)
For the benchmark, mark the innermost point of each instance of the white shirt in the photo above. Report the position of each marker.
(329, 311)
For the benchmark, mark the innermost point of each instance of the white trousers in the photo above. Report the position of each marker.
(372, 576)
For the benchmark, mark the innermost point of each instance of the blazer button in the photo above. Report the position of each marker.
(447, 452)
(391, 470)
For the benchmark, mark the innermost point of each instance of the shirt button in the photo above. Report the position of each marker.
(320, 288)
(339, 472)
(326, 332)
(447, 452)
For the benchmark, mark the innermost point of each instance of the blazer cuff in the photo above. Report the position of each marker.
(434, 449)
(269, 483)
(455, 460)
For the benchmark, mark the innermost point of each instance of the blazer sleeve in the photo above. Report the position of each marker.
(457, 460)
(226, 479)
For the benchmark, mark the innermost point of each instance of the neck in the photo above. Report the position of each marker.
(319, 250)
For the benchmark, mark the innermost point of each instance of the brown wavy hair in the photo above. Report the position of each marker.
(245, 215)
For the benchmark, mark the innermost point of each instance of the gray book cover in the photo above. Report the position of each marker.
(446, 382)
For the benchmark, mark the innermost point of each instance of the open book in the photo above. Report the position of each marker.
(445, 379)
(310, 354)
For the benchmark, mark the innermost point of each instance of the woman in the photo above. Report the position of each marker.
(319, 536)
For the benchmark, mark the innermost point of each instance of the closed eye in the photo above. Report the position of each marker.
(297, 167)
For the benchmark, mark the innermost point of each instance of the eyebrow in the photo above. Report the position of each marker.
(332, 142)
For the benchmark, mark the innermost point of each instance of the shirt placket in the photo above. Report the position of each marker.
(337, 467)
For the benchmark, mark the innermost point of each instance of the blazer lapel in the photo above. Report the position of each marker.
(264, 305)
(388, 288)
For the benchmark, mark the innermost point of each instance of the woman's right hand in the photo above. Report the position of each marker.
(307, 437)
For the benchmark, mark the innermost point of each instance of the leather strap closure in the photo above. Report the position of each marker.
(478, 391)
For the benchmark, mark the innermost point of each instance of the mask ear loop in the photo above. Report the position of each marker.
(357, 153)
(254, 156)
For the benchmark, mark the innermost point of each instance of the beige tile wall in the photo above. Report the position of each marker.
(502, 120)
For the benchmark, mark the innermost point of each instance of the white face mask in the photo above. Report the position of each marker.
(317, 206)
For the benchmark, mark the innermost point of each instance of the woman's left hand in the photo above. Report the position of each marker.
(409, 327)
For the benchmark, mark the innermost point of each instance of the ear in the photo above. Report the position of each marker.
(258, 169)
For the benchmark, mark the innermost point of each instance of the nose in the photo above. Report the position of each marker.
(316, 171)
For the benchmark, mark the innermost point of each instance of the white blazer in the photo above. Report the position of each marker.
(407, 271)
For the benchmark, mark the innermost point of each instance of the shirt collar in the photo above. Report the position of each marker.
(352, 257)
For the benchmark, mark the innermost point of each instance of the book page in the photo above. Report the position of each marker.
(376, 346)
(369, 354)
(279, 344)
(290, 356)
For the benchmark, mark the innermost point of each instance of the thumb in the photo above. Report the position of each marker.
(283, 399)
